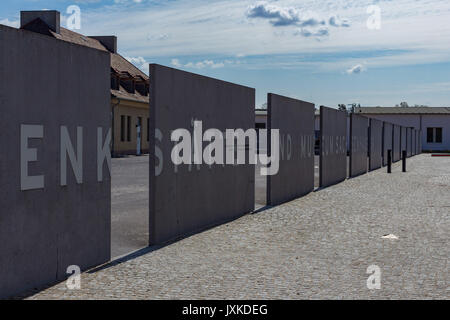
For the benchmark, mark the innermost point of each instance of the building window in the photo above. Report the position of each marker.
(128, 84)
(128, 128)
(148, 129)
(438, 135)
(434, 135)
(430, 135)
(114, 83)
(141, 88)
(122, 128)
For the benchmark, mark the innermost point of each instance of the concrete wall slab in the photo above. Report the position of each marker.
(403, 139)
(333, 146)
(409, 142)
(52, 215)
(358, 144)
(396, 143)
(388, 129)
(295, 120)
(376, 144)
(188, 198)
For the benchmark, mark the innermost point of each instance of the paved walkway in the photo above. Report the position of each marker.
(318, 246)
(129, 204)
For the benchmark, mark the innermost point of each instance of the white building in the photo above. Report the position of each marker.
(434, 123)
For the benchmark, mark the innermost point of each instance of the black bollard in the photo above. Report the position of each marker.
(404, 161)
(389, 161)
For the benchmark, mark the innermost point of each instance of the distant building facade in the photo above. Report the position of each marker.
(261, 123)
(433, 122)
(129, 85)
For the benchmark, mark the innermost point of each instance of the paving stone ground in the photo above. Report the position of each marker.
(316, 247)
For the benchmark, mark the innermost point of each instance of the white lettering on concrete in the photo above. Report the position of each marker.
(103, 152)
(29, 155)
(76, 161)
(158, 153)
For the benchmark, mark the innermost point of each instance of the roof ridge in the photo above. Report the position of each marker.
(43, 27)
(139, 71)
(404, 110)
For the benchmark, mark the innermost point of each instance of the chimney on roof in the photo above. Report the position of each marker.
(110, 42)
(50, 17)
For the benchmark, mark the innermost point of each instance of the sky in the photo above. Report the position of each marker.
(328, 52)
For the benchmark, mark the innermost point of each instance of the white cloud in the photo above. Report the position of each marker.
(157, 37)
(125, 1)
(283, 16)
(176, 63)
(140, 63)
(199, 65)
(9, 23)
(310, 23)
(310, 32)
(87, 1)
(335, 21)
(359, 68)
(416, 32)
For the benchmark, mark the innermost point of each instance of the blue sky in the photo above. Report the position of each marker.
(319, 51)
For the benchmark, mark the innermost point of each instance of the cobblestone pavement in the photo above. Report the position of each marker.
(319, 246)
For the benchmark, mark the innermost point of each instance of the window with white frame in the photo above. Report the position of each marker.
(434, 135)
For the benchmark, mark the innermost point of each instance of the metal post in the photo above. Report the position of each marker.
(389, 161)
(138, 140)
(404, 160)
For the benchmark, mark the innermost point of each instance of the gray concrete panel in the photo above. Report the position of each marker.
(295, 120)
(418, 151)
(333, 146)
(376, 144)
(403, 140)
(409, 142)
(48, 224)
(417, 141)
(358, 144)
(387, 140)
(188, 198)
(396, 143)
(420, 142)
